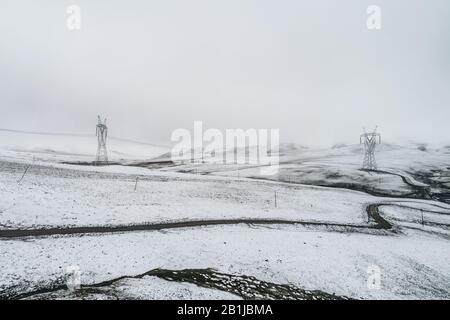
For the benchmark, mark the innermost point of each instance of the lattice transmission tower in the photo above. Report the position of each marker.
(102, 134)
(370, 140)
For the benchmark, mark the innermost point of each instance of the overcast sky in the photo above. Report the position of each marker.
(310, 68)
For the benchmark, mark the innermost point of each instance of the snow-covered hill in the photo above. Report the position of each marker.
(72, 147)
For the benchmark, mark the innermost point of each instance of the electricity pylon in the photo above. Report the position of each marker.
(370, 142)
(102, 134)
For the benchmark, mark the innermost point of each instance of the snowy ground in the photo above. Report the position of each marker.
(340, 167)
(59, 196)
(329, 251)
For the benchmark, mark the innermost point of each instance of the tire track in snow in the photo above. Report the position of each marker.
(43, 232)
(375, 222)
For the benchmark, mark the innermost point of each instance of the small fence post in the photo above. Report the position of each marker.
(135, 185)
(275, 194)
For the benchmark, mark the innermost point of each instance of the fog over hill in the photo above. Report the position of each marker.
(309, 68)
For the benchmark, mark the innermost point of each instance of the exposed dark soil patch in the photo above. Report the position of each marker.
(246, 287)
(439, 190)
(366, 188)
(91, 163)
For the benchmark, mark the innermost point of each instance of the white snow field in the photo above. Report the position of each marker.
(143, 233)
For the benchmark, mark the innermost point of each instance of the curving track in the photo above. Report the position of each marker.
(372, 212)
